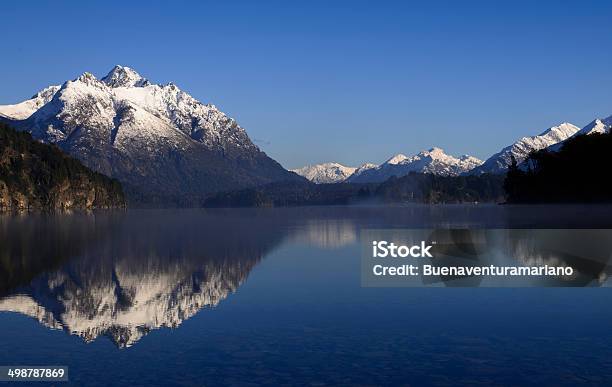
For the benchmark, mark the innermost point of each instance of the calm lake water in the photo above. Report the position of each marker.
(274, 296)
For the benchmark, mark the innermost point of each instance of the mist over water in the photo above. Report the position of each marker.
(274, 296)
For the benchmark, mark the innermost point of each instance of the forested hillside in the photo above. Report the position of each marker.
(34, 175)
(578, 173)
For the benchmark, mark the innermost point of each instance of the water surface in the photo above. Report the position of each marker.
(274, 296)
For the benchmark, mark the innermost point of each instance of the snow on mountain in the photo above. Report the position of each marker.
(433, 161)
(325, 173)
(23, 110)
(397, 159)
(156, 139)
(597, 126)
(499, 162)
(123, 101)
(364, 167)
(121, 76)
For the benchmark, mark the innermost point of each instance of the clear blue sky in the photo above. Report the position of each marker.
(347, 81)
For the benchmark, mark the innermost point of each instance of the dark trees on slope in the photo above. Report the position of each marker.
(578, 173)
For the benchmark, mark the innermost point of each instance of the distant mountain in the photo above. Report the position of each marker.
(499, 162)
(597, 126)
(433, 161)
(160, 142)
(601, 126)
(23, 110)
(362, 168)
(325, 173)
(40, 176)
(331, 172)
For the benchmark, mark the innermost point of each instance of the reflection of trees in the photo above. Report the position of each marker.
(33, 243)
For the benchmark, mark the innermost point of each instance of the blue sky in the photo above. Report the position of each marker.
(347, 81)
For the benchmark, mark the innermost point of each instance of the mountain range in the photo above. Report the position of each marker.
(433, 161)
(166, 147)
(499, 162)
(331, 172)
(157, 140)
(436, 161)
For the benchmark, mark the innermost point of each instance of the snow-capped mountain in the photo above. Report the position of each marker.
(23, 110)
(362, 168)
(499, 162)
(331, 172)
(325, 173)
(597, 126)
(433, 161)
(156, 139)
(124, 77)
(397, 159)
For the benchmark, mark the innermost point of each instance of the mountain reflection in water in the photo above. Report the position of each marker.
(123, 274)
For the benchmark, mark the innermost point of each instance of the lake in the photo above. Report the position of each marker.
(274, 296)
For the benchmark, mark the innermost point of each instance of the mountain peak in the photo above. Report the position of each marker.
(123, 76)
(120, 127)
(325, 173)
(433, 161)
(22, 110)
(597, 126)
(565, 124)
(563, 129)
(365, 166)
(433, 152)
(398, 158)
(87, 77)
(520, 150)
